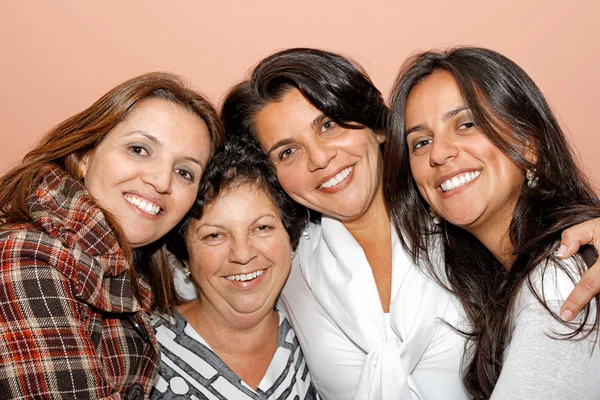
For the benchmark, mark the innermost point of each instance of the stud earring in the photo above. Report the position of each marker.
(532, 180)
(293, 254)
(306, 232)
(435, 216)
(186, 271)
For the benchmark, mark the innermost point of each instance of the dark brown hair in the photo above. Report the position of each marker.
(341, 89)
(68, 142)
(330, 82)
(512, 112)
(241, 162)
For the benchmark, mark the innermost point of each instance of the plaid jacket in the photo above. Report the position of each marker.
(70, 327)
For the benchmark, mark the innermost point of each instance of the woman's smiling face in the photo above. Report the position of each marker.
(463, 176)
(321, 165)
(146, 170)
(240, 254)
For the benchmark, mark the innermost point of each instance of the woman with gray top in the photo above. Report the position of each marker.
(484, 171)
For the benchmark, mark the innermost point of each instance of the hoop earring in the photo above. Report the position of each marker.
(306, 232)
(532, 180)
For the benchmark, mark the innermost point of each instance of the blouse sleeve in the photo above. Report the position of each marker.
(538, 364)
(46, 349)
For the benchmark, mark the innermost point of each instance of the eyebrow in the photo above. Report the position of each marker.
(450, 114)
(284, 142)
(219, 226)
(153, 138)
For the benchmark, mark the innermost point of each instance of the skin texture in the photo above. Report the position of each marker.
(308, 149)
(157, 154)
(444, 143)
(238, 234)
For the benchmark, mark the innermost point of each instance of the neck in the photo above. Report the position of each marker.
(373, 224)
(495, 236)
(243, 338)
(501, 247)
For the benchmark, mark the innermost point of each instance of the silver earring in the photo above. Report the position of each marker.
(186, 271)
(293, 254)
(435, 216)
(306, 232)
(532, 180)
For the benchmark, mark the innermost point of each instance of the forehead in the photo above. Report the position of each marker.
(239, 204)
(285, 118)
(436, 91)
(173, 126)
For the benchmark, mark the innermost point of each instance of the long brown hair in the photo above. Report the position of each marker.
(502, 98)
(68, 142)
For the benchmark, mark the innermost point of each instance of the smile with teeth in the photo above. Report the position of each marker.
(144, 205)
(459, 180)
(339, 177)
(245, 277)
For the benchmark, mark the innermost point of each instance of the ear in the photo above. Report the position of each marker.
(82, 165)
(380, 136)
(531, 153)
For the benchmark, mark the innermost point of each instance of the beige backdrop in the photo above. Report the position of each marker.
(57, 57)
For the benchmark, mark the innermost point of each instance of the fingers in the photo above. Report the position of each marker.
(585, 233)
(571, 240)
(583, 293)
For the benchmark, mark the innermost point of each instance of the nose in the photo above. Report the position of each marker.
(242, 251)
(160, 177)
(319, 156)
(442, 150)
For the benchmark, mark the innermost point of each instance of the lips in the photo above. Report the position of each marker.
(245, 277)
(143, 204)
(459, 180)
(337, 179)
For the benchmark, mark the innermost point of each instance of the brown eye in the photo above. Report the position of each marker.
(419, 144)
(138, 150)
(286, 153)
(466, 125)
(327, 125)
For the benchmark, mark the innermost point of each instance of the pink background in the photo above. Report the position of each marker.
(57, 57)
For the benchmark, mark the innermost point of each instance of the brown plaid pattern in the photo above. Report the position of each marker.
(70, 327)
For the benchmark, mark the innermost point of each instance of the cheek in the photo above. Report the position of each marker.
(290, 180)
(205, 262)
(183, 197)
(279, 251)
(419, 168)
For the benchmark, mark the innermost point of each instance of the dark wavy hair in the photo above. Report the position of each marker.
(241, 162)
(513, 114)
(341, 89)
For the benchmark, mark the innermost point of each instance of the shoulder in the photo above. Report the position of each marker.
(24, 246)
(552, 281)
(29, 254)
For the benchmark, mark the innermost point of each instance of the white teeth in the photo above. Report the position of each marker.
(143, 205)
(337, 179)
(459, 180)
(245, 277)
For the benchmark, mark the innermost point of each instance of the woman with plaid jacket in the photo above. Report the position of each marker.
(82, 221)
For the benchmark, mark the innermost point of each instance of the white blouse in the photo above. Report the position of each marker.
(352, 350)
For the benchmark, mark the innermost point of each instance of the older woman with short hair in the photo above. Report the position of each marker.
(237, 243)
